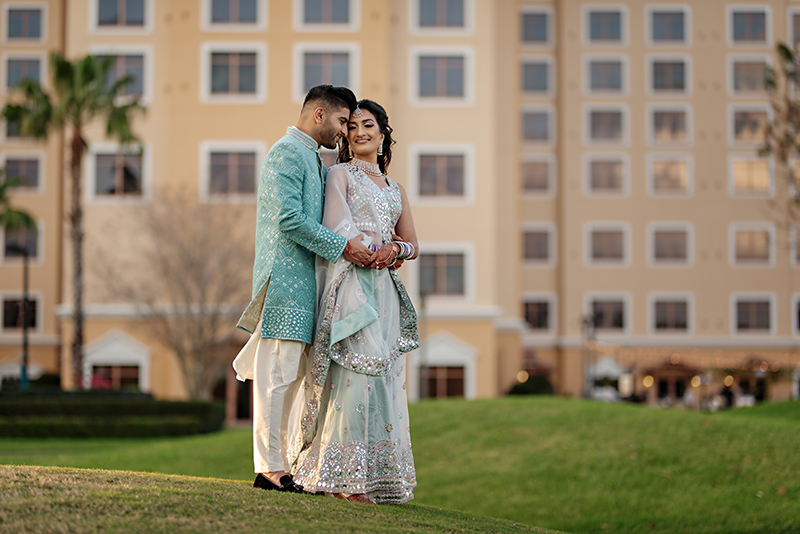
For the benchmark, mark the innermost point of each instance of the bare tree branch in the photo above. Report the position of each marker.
(189, 282)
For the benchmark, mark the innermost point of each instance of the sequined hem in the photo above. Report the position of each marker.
(384, 471)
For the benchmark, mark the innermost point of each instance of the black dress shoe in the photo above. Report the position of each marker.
(286, 484)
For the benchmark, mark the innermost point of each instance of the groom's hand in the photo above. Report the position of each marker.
(355, 252)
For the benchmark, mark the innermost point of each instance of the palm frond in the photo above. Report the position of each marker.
(119, 122)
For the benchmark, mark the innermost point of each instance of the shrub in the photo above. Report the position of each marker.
(535, 385)
(96, 415)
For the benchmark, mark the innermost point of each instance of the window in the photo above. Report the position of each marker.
(120, 13)
(13, 130)
(232, 173)
(537, 126)
(607, 244)
(608, 314)
(443, 381)
(606, 126)
(750, 176)
(441, 175)
(605, 75)
(441, 76)
(326, 11)
(234, 11)
(233, 73)
(669, 175)
(19, 69)
(118, 174)
(753, 315)
(536, 28)
(538, 175)
(17, 242)
(669, 76)
(25, 170)
(14, 315)
(667, 26)
(536, 76)
(115, 377)
(753, 245)
(121, 66)
(606, 25)
(671, 315)
(669, 126)
(669, 244)
(749, 26)
(749, 125)
(442, 274)
(24, 24)
(606, 174)
(749, 75)
(537, 314)
(538, 244)
(441, 13)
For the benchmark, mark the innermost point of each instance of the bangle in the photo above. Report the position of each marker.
(349, 249)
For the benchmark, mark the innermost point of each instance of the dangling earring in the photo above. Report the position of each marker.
(350, 150)
(380, 149)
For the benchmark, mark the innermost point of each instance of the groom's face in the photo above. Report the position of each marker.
(334, 126)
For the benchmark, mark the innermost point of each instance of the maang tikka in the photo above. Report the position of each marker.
(357, 112)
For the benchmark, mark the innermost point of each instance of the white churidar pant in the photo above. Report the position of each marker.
(276, 367)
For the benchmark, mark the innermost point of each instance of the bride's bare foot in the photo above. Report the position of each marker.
(360, 497)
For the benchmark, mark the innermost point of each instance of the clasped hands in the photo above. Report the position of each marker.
(360, 255)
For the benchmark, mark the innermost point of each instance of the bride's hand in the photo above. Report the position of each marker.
(384, 256)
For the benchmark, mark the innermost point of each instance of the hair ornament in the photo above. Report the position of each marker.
(357, 112)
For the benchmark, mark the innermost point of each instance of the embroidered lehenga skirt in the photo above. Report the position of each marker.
(355, 411)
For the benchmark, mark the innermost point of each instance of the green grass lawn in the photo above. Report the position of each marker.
(564, 464)
(49, 500)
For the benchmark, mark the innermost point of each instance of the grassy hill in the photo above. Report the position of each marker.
(564, 464)
(52, 499)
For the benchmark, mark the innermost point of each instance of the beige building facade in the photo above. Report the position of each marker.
(583, 175)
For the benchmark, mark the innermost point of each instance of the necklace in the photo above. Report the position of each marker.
(369, 168)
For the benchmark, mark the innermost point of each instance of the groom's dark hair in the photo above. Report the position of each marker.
(328, 96)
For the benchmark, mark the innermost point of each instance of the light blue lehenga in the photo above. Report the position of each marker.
(350, 422)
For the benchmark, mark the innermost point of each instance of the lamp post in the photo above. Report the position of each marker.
(588, 347)
(23, 374)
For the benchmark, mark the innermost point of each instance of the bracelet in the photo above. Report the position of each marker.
(406, 250)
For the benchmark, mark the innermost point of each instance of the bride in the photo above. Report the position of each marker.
(350, 418)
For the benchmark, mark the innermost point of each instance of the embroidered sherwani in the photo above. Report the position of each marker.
(288, 236)
(281, 314)
(350, 417)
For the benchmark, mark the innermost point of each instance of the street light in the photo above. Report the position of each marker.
(23, 374)
(588, 347)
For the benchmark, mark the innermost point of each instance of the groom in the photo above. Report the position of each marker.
(281, 316)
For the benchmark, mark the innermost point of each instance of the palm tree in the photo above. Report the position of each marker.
(12, 220)
(82, 92)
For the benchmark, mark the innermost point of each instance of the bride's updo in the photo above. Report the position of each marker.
(383, 123)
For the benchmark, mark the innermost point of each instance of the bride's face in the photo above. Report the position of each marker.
(364, 135)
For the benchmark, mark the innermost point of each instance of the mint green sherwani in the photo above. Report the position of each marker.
(291, 189)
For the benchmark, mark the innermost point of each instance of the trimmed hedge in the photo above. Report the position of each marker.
(97, 416)
(535, 385)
